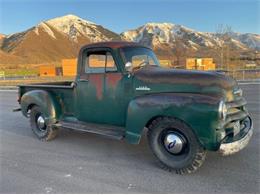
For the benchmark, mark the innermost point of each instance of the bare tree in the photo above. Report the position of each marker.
(223, 50)
(180, 51)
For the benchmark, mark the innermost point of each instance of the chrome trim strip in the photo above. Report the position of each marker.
(236, 103)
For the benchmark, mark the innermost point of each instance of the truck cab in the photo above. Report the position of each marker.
(120, 90)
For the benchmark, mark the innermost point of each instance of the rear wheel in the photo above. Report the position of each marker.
(175, 145)
(39, 127)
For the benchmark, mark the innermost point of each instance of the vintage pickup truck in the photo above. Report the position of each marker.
(120, 90)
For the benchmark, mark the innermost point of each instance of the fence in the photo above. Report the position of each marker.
(246, 74)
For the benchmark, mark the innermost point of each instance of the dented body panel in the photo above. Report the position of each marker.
(56, 102)
(51, 109)
(179, 105)
(130, 101)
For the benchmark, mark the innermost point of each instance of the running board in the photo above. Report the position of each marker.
(113, 132)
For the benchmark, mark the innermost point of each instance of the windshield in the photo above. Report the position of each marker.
(139, 56)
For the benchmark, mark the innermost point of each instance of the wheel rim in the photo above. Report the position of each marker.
(40, 121)
(174, 142)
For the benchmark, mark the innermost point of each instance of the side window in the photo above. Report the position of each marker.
(99, 62)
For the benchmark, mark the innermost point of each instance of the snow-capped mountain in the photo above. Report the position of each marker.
(249, 39)
(75, 28)
(55, 39)
(62, 37)
(158, 34)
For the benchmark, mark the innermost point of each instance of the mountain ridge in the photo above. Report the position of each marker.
(62, 37)
(168, 31)
(54, 39)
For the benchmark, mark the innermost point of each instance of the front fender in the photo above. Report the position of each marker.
(50, 108)
(198, 111)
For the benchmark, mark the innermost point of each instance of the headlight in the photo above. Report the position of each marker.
(222, 110)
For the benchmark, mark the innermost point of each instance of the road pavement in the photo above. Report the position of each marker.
(79, 162)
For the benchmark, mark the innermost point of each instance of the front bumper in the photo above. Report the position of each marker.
(233, 145)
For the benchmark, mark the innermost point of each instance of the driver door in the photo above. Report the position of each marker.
(100, 89)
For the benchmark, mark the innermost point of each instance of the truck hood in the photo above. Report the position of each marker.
(190, 80)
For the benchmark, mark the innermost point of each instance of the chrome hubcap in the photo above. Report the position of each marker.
(173, 143)
(41, 123)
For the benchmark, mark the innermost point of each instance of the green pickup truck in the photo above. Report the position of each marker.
(121, 92)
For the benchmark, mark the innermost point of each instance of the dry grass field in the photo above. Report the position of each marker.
(24, 69)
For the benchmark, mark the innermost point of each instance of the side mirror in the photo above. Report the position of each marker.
(73, 84)
(129, 67)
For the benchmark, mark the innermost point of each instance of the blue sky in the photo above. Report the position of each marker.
(118, 16)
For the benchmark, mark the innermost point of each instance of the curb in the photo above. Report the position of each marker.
(9, 88)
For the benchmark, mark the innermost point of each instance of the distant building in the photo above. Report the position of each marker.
(165, 63)
(251, 65)
(69, 67)
(47, 70)
(200, 64)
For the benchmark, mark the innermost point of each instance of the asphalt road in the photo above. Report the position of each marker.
(84, 163)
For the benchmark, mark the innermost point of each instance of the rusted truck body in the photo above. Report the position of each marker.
(120, 90)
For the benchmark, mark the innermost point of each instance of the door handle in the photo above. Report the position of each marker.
(83, 80)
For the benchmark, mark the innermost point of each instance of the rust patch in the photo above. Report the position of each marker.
(97, 81)
(112, 79)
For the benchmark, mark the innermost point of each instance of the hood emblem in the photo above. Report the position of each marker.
(142, 88)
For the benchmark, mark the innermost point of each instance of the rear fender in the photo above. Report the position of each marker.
(200, 112)
(50, 108)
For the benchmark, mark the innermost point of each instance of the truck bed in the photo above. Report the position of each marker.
(60, 90)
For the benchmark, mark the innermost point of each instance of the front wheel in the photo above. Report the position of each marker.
(39, 127)
(175, 145)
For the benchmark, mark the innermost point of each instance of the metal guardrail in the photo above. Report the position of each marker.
(17, 77)
(242, 75)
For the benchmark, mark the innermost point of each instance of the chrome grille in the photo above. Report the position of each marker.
(237, 116)
(236, 108)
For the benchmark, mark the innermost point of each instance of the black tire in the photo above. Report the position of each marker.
(192, 154)
(45, 133)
